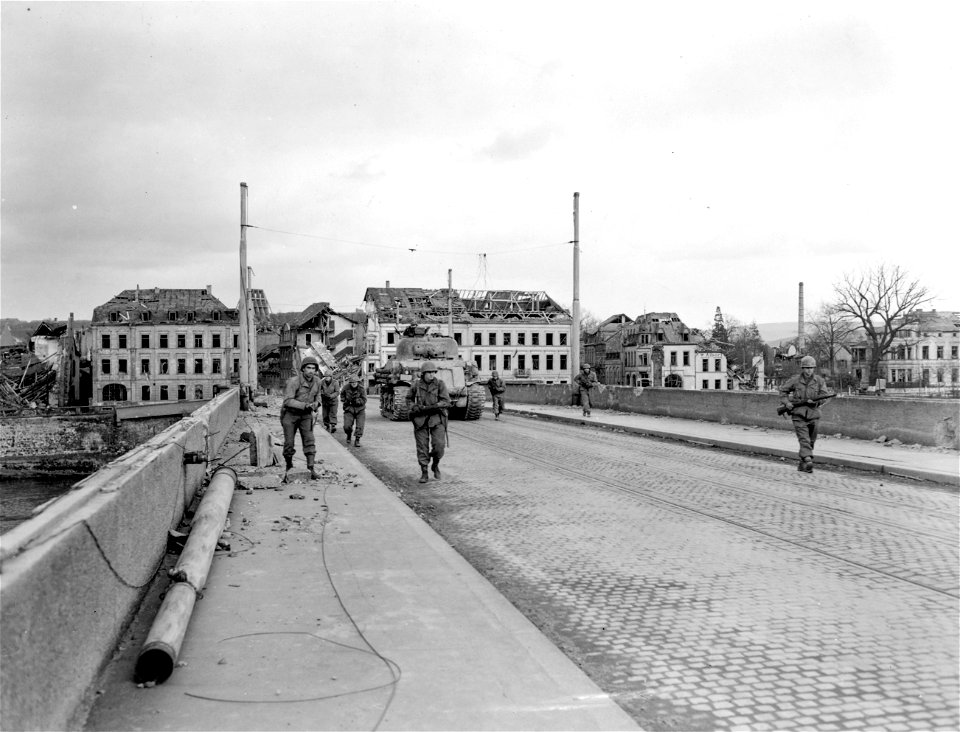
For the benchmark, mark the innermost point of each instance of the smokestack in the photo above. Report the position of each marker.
(210, 290)
(388, 284)
(800, 322)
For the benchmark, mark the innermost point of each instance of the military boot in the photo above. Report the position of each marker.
(436, 469)
(289, 462)
(356, 442)
(348, 434)
(423, 475)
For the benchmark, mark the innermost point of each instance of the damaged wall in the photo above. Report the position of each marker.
(74, 575)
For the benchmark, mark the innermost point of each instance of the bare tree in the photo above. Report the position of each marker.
(832, 332)
(881, 302)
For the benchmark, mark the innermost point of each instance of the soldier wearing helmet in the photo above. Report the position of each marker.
(301, 398)
(802, 395)
(354, 398)
(582, 384)
(428, 401)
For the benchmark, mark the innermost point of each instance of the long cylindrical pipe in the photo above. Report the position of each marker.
(162, 647)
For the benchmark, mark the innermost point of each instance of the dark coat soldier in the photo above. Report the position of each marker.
(802, 395)
(301, 398)
(497, 387)
(428, 401)
(329, 398)
(583, 383)
(354, 397)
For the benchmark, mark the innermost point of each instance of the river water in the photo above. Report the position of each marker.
(19, 496)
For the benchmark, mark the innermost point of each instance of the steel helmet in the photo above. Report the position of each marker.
(427, 366)
(354, 376)
(309, 360)
(808, 361)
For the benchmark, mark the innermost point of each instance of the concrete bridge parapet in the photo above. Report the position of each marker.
(74, 575)
(930, 422)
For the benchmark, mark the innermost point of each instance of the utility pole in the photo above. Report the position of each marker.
(575, 326)
(246, 380)
(800, 333)
(450, 302)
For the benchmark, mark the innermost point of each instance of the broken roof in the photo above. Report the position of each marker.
(311, 312)
(414, 304)
(164, 302)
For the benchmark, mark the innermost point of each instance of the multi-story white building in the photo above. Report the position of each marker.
(523, 335)
(925, 352)
(159, 345)
(659, 350)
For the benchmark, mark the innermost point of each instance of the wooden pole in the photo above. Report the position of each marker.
(450, 302)
(244, 320)
(575, 326)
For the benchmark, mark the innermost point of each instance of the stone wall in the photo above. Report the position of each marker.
(913, 421)
(74, 575)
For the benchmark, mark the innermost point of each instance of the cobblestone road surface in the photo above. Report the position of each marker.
(705, 590)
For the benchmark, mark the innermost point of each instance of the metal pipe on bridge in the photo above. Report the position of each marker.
(158, 657)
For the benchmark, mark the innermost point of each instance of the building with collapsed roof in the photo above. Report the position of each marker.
(522, 334)
(156, 345)
(658, 349)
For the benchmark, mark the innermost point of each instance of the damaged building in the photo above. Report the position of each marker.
(522, 334)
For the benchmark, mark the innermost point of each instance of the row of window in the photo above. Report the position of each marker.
(507, 338)
(163, 340)
(907, 375)
(905, 353)
(164, 366)
(118, 393)
(506, 361)
(146, 316)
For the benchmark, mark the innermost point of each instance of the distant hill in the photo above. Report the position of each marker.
(773, 333)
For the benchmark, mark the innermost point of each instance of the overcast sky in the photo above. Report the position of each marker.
(723, 151)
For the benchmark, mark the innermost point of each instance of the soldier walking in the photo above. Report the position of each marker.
(497, 387)
(427, 402)
(354, 397)
(583, 383)
(329, 398)
(802, 395)
(301, 398)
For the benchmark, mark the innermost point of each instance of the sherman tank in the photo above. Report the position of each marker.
(467, 395)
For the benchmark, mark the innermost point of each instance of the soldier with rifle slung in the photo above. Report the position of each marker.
(801, 397)
(428, 401)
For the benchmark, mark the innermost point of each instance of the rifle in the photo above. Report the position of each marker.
(788, 409)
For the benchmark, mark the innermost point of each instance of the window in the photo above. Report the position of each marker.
(114, 317)
(939, 352)
(146, 315)
(478, 339)
(181, 392)
(198, 365)
(198, 391)
(144, 340)
(236, 365)
(534, 339)
(105, 366)
(164, 393)
(491, 339)
(121, 365)
(521, 362)
(673, 381)
(216, 314)
(716, 364)
(181, 340)
(563, 361)
(105, 341)
(953, 352)
(686, 358)
(549, 363)
(492, 363)
(215, 366)
(164, 340)
(673, 358)
(506, 340)
(172, 315)
(122, 340)
(458, 337)
(521, 339)
(506, 362)
(198, 340)
(144, 393)
(190, 316)
(716, 384)
(308, 337)
(181, 365)
(144, 365)
(164, 366)
(926, 352)
(236, 340)
(549, 339)
(563, 339)
(705, 384)
(535, 362)
(478, 360)
(706, 364)
(114, 393)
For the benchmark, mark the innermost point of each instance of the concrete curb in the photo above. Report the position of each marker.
(870, 466)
